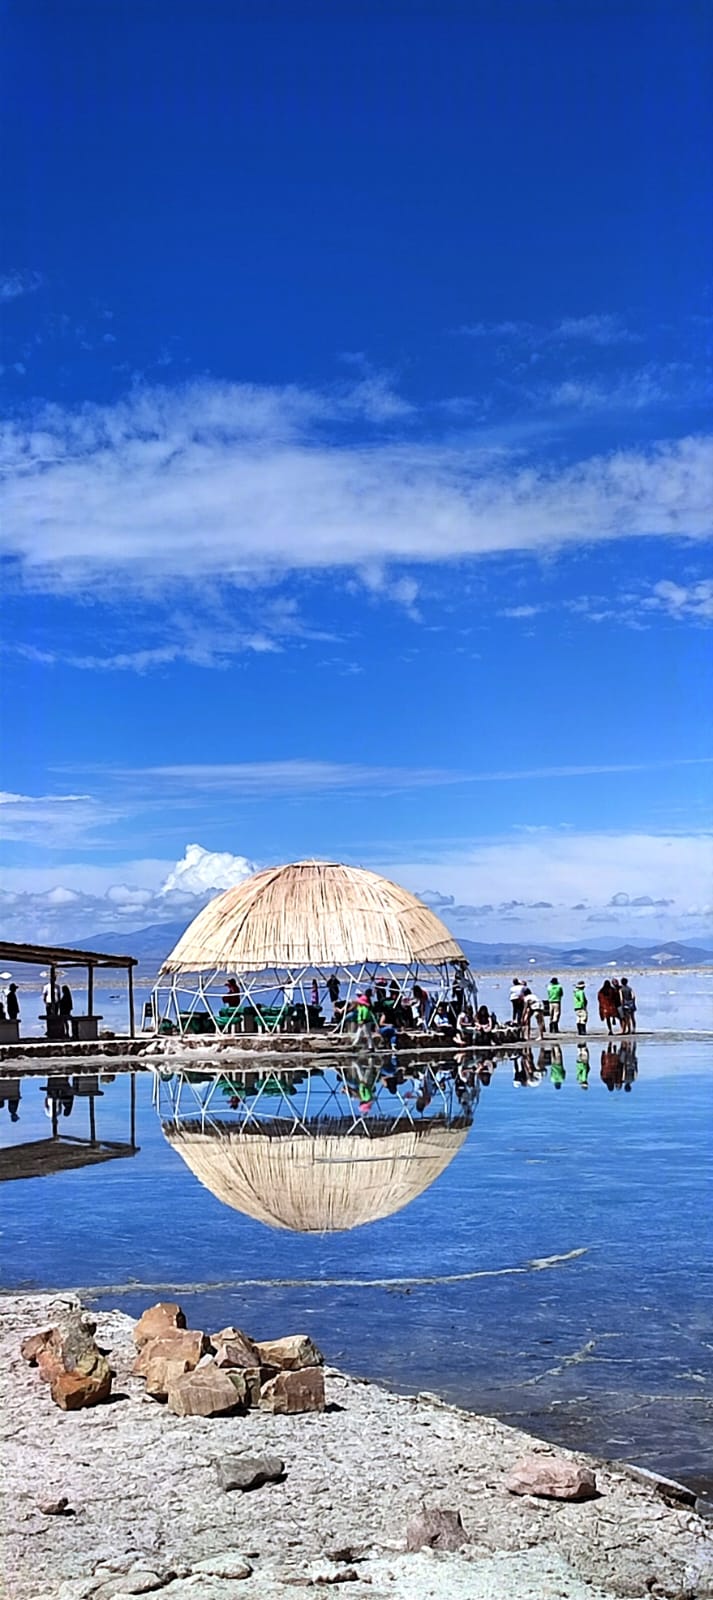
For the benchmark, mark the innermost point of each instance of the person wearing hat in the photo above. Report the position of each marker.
(581, 1014)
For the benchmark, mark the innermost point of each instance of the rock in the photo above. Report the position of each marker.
(672, 1492)
(158, 1320)
(179, 1345)
(237, 1378)
(161, 1373)
(248, 1472)
(33, 1344)
(207, 1393)
(56, 1508)
(253, 1379)
(551, 1477)
(71, 1363)
(140, 1579)
(436, 1527)
(236, 1351)
(229, 1564)
(73, 1390)
(291, 1392)
(322, 1573)
(291, 1353)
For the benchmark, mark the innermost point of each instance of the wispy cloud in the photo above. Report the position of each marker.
(15, 283)
(49, 820)
(684, 602)
(259, 778)
(237, 483)
(594, 328)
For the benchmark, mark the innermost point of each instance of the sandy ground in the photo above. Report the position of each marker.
(147, 1506)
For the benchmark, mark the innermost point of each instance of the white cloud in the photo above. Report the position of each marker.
(259, 778)
(596, 328)
(201, 872)
(47, 819)
(523, 613)
(237, 483)
(539, 886)
(637, 884)
(684, 602)
(16, 283)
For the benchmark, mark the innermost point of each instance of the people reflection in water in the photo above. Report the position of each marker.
(557, 1068)
(59, 1097)
(627, 1054)
(582, 1068)
(612, 1070)
(10, 1095)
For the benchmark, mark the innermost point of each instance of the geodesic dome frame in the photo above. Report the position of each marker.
(287, 927)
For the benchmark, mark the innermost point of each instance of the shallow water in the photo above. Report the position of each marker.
(556, 1275)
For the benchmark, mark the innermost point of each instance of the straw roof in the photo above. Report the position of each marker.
(322, 1183)
(312, 914)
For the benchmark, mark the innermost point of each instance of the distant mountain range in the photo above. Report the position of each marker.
(152, 945)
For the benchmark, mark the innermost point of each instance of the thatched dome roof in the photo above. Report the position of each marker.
(317, 1184)
(312, 914)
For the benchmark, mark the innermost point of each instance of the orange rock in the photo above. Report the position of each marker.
(33, 1344)
(158, 1320)
(73, 1390)
(161, 1372)
(553, 1477)
(181, 1344)
(235, 1349)
(204, 1394)
(291, 1392)
(291, 1353)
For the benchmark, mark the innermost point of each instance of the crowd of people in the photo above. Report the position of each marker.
(616, 1003)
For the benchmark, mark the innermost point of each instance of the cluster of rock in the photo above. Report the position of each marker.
(196, 1374)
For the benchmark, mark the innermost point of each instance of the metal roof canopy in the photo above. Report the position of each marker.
(53, 955)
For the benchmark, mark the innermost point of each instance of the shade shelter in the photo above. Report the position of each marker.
(287, 928)
(54, 957)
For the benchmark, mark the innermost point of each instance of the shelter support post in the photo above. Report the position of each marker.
(132, 1017)
(90, 991)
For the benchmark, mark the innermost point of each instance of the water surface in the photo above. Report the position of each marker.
(556, 1275)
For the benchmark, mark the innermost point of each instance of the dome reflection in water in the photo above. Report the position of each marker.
(324, 1146)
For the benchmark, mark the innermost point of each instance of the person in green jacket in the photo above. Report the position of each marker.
(580, 1007)
(554, 1000)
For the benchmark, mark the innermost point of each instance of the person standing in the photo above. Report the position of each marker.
(517, 999)
(65, 1008)
(608, 1011)
(581, 1013)
(365, 1021)
(12, 1004)
(627, 1007)
(555, 994)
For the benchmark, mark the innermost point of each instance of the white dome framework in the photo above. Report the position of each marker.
(250, 960)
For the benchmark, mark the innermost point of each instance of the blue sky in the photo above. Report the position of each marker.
(356, 492)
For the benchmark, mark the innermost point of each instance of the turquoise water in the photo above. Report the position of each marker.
(556, 1274)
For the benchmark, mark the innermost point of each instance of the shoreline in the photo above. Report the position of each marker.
(142, 1484)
